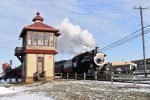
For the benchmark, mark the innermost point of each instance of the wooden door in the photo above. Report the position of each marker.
(40, 67)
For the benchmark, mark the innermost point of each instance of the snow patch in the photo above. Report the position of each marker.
(4, 90)
(28, 97)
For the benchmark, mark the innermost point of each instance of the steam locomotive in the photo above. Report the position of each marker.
(91, 63)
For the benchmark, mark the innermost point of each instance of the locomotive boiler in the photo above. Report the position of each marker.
(91, 62)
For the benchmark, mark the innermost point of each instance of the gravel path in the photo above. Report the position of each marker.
(79, 90)
(92, 90)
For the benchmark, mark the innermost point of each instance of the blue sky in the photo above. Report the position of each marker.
(106, 20)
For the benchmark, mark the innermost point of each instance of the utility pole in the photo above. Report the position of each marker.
(143, 40)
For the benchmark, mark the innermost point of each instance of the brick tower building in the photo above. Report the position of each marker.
(38, 50)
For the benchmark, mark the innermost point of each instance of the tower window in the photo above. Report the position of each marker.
(34, 39)
(51, 42)
(29, 38)
(40, 58)
(46, 42)
(40, 39)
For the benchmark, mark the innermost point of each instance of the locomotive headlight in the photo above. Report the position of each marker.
(100, 59)
(107, 68)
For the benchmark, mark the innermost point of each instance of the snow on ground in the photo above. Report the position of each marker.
(78, 90)
(20, 93)
(4, 90)
(26, 96)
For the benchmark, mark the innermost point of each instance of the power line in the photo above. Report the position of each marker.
(126, 39)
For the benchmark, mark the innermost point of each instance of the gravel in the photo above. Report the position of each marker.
(92, 90)
(78, 90)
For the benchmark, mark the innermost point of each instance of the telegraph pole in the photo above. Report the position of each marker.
(143, 40)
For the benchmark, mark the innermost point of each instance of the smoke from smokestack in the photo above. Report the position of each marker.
(73, 39)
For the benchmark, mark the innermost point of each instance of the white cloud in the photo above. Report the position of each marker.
(74, 40)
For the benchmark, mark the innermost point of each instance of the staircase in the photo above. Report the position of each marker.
(19, 53)
(39, 76)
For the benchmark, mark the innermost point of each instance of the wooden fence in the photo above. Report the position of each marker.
(135, 77)
(83, 76)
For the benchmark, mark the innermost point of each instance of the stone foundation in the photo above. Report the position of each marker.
(31, 79)
(49, 78)
(28, 80)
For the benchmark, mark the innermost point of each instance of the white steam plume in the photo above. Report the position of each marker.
(73, 39)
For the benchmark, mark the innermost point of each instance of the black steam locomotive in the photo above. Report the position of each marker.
(91, 63)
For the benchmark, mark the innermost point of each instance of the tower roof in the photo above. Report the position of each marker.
(39, 26)
(38, 18)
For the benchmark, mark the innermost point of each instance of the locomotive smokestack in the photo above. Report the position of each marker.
(97, 49)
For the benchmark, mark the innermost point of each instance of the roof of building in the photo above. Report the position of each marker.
(121, 63)
(39, 26)
(38, 17)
